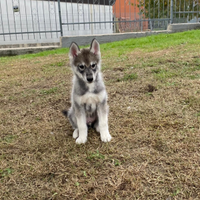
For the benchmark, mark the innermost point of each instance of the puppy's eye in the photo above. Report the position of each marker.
(81, 67)
(93, 66)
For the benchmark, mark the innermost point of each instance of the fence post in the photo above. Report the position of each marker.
(171, 12)
(60, 18)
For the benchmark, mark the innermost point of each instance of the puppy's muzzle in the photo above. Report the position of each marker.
(89, 79)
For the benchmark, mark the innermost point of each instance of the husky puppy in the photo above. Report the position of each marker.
(88, 98)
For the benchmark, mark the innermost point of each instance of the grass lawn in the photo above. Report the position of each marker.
(153, 85)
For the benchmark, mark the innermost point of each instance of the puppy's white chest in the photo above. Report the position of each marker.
(90, 98)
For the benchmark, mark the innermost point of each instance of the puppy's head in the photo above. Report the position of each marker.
(85, 63)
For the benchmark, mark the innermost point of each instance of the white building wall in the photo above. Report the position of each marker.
(35, 15)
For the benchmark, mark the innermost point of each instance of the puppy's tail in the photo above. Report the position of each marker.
(65, 113)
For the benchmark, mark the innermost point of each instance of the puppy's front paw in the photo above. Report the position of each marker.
(81, 140)
(106, 137)
(75, 133)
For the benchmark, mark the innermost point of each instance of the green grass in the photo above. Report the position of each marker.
(49, 91)
(96, 155)
(147, 44)
(154, 42)
(59, 51)
(45, 53)
(5, 172)
(164, 74)
(8, 138)
(129, 77)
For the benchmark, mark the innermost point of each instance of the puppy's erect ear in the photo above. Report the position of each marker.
(74, 50)
(95, 47)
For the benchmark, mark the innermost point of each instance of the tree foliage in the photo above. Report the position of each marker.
(161, 8)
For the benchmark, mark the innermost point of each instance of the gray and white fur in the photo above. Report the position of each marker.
(89, 98)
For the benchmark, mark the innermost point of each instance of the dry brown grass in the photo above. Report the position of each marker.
(154, 119)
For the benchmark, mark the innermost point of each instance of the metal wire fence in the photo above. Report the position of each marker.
(40, 21)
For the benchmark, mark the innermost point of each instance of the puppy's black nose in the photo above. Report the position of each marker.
(90, 80)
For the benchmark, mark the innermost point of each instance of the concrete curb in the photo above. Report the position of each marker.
(27, 50)
(4, 46)
(85, 40)
(183, 27)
